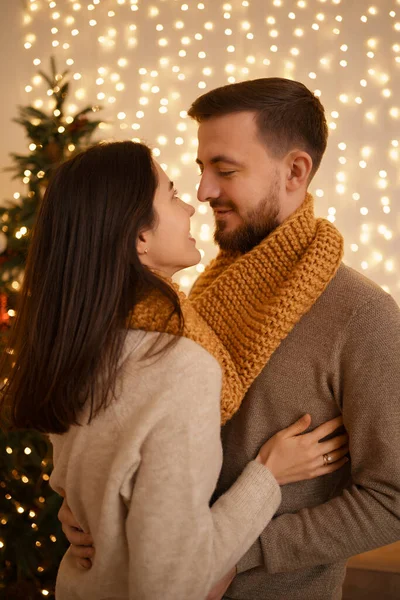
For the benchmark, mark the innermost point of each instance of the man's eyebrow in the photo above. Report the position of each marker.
(221, 158)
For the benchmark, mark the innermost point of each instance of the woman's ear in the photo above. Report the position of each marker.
(142, 244)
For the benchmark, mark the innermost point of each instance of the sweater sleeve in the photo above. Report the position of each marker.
(179, 546)
(367, 514)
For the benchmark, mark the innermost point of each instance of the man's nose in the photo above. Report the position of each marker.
(208, 189)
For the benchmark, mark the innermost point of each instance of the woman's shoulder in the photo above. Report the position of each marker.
(167, 351)
(163, 370)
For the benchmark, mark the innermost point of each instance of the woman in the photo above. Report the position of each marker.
(134, 415)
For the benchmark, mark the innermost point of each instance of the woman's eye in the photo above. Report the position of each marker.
(176, 193)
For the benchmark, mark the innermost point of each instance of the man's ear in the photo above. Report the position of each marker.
(299, 167)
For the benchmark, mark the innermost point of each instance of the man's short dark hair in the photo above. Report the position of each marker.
(288, 114)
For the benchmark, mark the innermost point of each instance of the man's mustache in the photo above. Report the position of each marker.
(223, 204)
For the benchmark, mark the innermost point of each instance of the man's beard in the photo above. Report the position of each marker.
(256, 226)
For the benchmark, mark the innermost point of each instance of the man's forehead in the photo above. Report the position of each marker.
(226, 141)
(230, 158)
(228, 128)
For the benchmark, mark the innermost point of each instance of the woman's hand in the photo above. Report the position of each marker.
(81, 543)
(292, 457)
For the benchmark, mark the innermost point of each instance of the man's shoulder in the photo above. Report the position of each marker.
(349, 291)
(348, 280)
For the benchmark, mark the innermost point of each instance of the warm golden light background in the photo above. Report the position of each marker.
(145, 61)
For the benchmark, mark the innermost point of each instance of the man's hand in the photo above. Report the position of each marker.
(81, 543)
(220, 588)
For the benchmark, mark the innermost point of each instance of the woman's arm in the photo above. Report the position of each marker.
(179, 546)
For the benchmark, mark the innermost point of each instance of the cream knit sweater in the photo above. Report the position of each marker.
(140, 478)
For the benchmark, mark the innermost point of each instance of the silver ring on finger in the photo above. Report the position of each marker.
(327, 458)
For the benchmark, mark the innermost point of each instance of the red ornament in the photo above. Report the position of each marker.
(4, 316)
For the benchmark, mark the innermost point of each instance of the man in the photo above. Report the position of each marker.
(260, 144)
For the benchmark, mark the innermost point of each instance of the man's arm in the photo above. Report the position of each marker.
(367, 514)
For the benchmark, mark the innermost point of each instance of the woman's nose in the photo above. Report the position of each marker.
(189, 208)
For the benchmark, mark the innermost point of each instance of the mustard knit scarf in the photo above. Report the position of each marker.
(244, 305)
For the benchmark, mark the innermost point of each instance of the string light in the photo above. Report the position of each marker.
(306, 44)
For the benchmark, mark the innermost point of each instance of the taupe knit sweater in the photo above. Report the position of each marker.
(342, 357)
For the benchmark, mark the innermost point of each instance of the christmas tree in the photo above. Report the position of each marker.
(31, 541)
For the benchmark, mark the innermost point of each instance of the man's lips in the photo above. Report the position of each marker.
(222, 211)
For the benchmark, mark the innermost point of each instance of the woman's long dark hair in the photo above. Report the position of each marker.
(83, 278)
